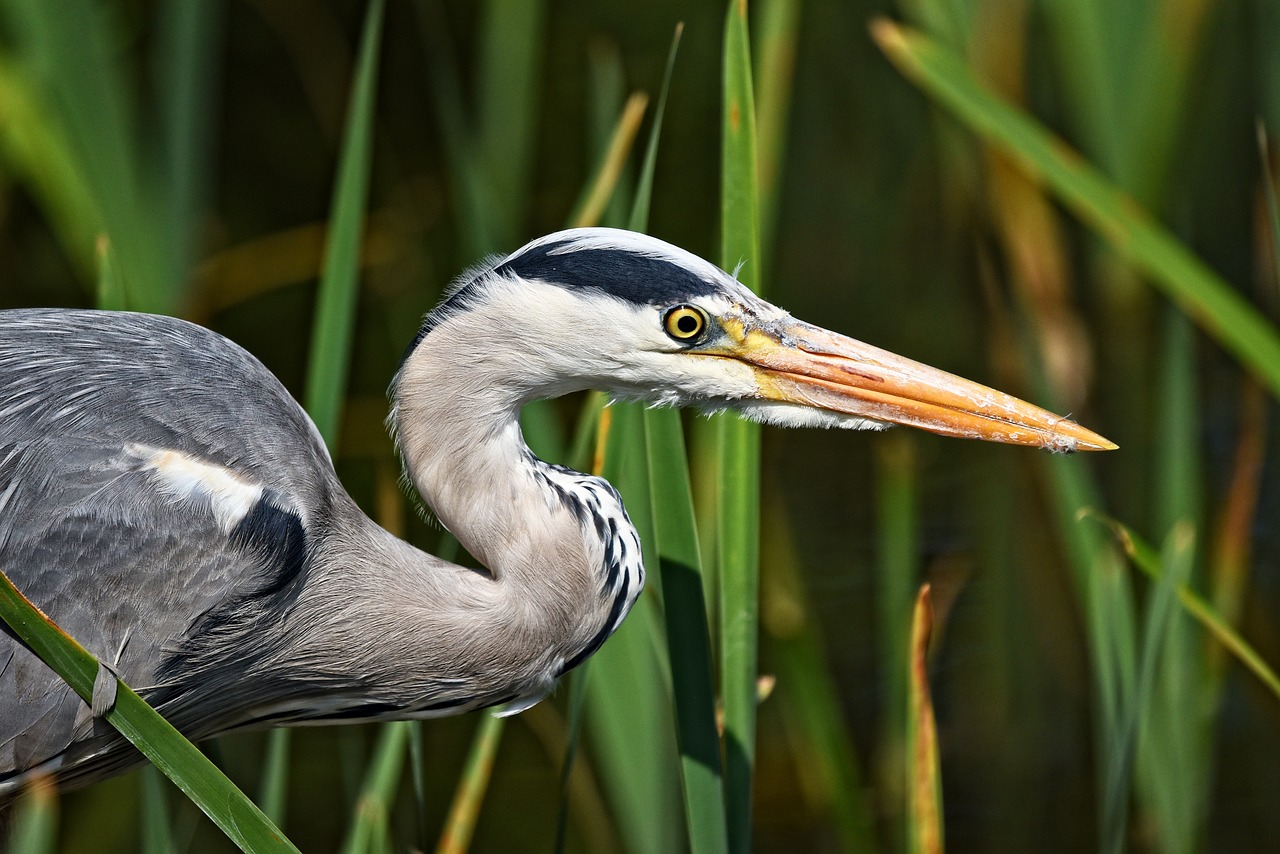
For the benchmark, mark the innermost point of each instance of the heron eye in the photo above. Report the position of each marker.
(685, 323)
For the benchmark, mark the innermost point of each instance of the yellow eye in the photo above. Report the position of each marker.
(684, 322)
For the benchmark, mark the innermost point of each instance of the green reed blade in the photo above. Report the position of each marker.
(577, 703)
(180, 760)
(597, 195)
(688, 637)
(110, 291)
(1149, 248)
(1146, 559)
(464, 812)
(37, 152)
(1174, 751)
(508, 94)
(776, 40)
(923, 772)
(644, 184)
(187, 42)
(738, 543)
(807, 689)
(897, 536)
(370, 829)
(273, 780)
(334, 325)
(630, 716)
(35, 822)
(1128, 75)
(157, 835)
(70, 49)
(1176, 569)
(1273, 209)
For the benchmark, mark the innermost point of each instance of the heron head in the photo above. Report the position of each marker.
(642, 319)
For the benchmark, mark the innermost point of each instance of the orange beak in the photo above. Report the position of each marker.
(802, 364)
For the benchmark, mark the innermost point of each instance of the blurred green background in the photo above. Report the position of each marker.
(1074, 711)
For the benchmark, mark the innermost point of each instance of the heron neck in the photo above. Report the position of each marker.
(557, 543)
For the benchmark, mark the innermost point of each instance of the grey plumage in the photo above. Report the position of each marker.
(167, 502)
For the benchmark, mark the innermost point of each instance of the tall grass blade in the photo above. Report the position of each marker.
(155, 737)
(577, 703)
(1106, 601)
(738, 544)
(491, 151)
(1173, 753)
(370, 830)
(333, 327)
(1183, 277)
(592, 206)
(35, 821)
(469, 796)
(1273, 210)
(630, 716)
(777, 34)
(587, 453)
(1230, 563)
(512, 41)
(111, 295)
(273, 782)
(692, 670)
(627, 710)
(186, 45)
(673, 538)
(466, 171)
(607, 93)
(925, 789)
(71, 49)
(1128, 69)
(807, 690)
(1146, 559)
(897, 536)
(38, 153)
(644, 183)
(418, 769)
(1177, 562)
(157, 835)
(334, 323)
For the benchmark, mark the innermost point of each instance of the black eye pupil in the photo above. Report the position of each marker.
(687, 324)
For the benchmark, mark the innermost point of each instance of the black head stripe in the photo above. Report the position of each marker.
(621, 273)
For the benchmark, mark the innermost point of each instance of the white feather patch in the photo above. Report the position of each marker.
(228, 496)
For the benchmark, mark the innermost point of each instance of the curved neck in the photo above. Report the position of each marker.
(563, 555)
(476, 474)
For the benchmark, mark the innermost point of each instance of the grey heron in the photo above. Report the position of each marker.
(166, 500)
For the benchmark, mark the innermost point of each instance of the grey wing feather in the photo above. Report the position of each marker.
(127, 569)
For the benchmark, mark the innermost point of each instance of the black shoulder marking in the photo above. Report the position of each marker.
(277, 538)
(601, 636)
(627, 275)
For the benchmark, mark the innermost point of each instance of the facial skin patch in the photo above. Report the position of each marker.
(185, 478)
